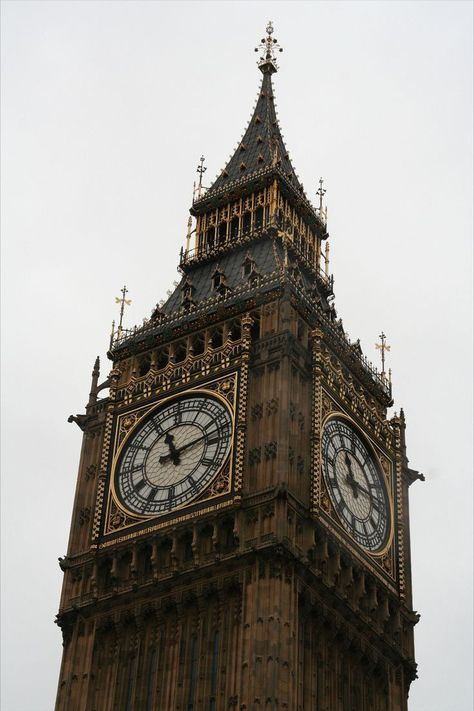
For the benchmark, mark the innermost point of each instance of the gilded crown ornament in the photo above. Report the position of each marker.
(268, 47)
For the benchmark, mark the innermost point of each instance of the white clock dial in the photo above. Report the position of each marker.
(355, 485)
(175, 454)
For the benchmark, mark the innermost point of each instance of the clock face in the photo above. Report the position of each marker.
(175, 454)
(355, 484)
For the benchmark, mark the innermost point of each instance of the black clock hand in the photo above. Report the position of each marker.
(353, 481)
(174, 453)
(361, 488)
(350, 477)
(178, 450)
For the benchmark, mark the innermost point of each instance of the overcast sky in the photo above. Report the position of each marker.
(106, 109)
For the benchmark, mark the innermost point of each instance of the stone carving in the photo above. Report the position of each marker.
(255, 456)
(272, 406)
(270, 450)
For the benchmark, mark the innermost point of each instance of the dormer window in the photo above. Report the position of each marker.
(247, 266)
(253, 276)
(218, 279)
(187, 289)
(187, 294)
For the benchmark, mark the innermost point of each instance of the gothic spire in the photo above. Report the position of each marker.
(261, 148)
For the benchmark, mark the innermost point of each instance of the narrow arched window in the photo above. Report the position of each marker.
(211, 234)
(234, 228)
(132, 669)
(193, 664)
(215, 657)
(222, 232)
(151, 677)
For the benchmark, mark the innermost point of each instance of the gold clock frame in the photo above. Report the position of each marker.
(218, 494)
(387, 480)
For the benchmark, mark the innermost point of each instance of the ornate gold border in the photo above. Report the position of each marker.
(132, 419)
(384, 474)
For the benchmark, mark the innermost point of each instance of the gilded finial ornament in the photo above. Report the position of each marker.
(322, 211)
(122, 301)
(268, 46)
(383, 347)
(201, 169)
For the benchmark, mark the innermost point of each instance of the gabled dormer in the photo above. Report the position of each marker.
(187, 291)
(219, 282)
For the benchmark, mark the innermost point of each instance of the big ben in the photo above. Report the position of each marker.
(240, 534)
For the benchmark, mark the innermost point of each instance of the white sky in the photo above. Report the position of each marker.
(106, 108)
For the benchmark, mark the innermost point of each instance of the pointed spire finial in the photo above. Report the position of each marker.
(383, 347)
(95, 380)
(322, 211)
(201, 169)
(122, 301)
(268, 46)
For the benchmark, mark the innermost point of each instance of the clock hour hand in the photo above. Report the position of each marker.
(178, 451)
(350, 477)
(174, 453)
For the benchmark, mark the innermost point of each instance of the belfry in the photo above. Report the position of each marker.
(240, 533)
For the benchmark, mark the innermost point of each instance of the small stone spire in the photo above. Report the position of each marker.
(383, 347)
(122, 301)
(268, 46)
(199, 188)
(95, 380)
(321, 210)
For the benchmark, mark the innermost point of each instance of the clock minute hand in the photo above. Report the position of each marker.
(178, 450)
(353, 481)
(361, 488)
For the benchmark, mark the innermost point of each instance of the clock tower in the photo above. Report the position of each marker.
(240, 534)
